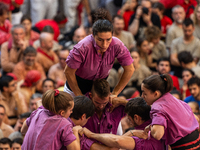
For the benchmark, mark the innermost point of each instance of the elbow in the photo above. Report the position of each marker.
(117, 142)
(158, 136)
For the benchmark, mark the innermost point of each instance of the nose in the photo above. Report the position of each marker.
(104, 44)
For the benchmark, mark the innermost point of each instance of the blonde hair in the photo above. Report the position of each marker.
(53, 103)
(195, 14)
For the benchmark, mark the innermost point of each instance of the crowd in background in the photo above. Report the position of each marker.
(36, 36)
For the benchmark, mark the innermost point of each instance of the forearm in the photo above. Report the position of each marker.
(133, 28)
(87, 6)
(174, 61)
(128, 72)
(157, 131)
(24, 128)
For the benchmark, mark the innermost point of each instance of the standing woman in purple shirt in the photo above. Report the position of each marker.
(172, 119)
(93, 57)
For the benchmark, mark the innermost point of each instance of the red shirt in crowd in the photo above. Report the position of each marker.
(5, 31)
(41, 24)
(175, 82)
(164, 23)
(127, 15)
(11, 4)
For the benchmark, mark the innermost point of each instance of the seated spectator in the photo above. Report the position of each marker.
(5, 27)
(159, 9)
(78, 35)
(48, 29)
(45, 55)
(56, 71)
(48, 84)
(194, 106)
(12, 50)
(194, 87)
(127, 10)
(186, 43)
(141, 71)
(28, 88)
(187, 61)
(17, 143)
(196, 20)
(143, 49)
(187, 74)
(27, 64)
(6, 129)
(11, 99)
(158, 49)
(21, 120)
(176, 93)
(33, 101)
(143, 18)
(124, 36)
(163, 67)
(30, 34)
(57, 23)
(5, 143)
(175, 30)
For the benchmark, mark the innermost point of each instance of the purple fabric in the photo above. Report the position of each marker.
(47, 131)
(90, 64)
(109, 121)
(151, 144)
(175, 115)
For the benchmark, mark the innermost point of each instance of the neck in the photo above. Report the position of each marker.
(137, 66)
(190, 65)
(188, 39)
(99, 113)
(6, 95)
(116, 35)
(179, 24)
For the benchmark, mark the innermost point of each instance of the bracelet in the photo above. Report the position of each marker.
(149, 135)
(131, 132)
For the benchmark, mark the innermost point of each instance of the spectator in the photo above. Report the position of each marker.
(176, 93)
(127, 10)
(124, 36)
(6, 129)
(163, 67)
(194, 106)
(142, 19)
(187, 74)
(57, 23)
(157, 47)
(21, 120)
(175, 31)
(187, 61)
(30, 34)
(45, 55)
(27, 64)
(159, 9)
(33, 101)
(17, 143)
(194, 87)
(11, 99)
(48, 84)
(196, 20)
(12, 50)
(56, 71)
(5, 143)
(5, 27)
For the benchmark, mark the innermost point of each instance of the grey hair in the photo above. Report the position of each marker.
(177, 6)
(16, 27)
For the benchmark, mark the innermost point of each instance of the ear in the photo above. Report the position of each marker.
(183, 64)
(83, 116)
(157, 94)
(90, 94)
(5, 88)
(137, 118)
(62, 113)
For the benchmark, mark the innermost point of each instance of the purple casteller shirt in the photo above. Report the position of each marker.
(109, 121)
(175, 115)
(47, 131)
(90, 64)
(151, 144)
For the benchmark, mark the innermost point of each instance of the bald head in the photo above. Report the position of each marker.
(46, 40)
(62, 57)
(79, 34)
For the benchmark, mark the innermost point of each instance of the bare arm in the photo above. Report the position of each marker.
(71, 80)
(24, 128)
(128, 72)
(97, 146)
(174, 59)
(75, 145)
(157, 131)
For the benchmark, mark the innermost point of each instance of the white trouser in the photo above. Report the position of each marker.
(66, 89)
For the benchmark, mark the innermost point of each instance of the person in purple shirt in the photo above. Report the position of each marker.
(93, 57)
(48, 127)
(138, 115)
(107, 114)
(172, 119)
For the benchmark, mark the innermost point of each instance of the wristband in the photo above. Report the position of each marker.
(131, 132)
(149, 135)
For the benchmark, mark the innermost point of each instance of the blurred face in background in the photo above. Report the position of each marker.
(118, 25)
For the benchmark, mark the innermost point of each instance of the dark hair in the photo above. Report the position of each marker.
(29, 49)
(25, 115)
(189, 70)
(101, 13)
(102, 26)
(138, 106)
(4, 81)
(6, 141)
(159, 5)
(82, 105)
(188, 22)
(175, 91)
(3, 8)
(193, 80)
(101, 87)
(48, 29)
(18, 140)
(134, 49)
(162, 83)
(25, 17)
(140, 41)
(117, 16)
(152, 32)
(185, 57)
(59, 17)
(48, 79)
(163, 59)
